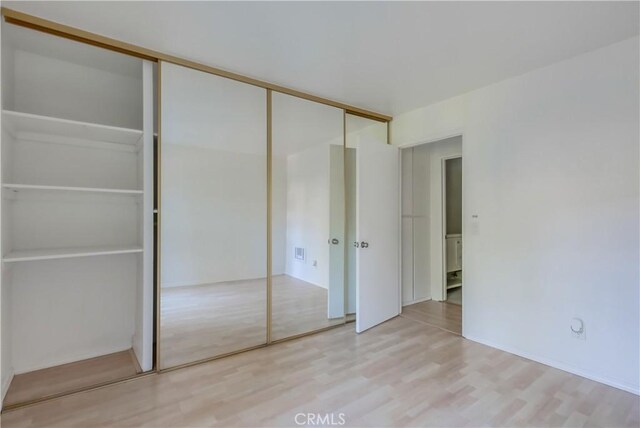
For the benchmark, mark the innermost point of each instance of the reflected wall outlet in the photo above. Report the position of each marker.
(578, 329)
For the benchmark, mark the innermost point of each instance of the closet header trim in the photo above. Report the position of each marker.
(51, 27)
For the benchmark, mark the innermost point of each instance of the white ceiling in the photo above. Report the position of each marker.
(390, 57)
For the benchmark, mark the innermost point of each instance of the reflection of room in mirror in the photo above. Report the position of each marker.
(197, 322)
(213, 240)
(308, 217)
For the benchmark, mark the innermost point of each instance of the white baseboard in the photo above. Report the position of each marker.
(634, 389)
(413, 302)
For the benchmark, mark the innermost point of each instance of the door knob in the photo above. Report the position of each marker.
(335, 241)
(364, 244)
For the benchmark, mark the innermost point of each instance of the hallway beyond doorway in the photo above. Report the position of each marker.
(444, 315)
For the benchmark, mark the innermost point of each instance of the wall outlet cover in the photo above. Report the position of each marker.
(578, 329)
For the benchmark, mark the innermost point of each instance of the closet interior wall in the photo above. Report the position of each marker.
(77, 196)
(416, 263)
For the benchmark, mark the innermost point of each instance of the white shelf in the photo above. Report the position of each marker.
(454, 285)
(65, 253)
(71, 189)
(51, 129)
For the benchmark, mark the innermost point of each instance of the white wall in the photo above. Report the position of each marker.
(308, 212)
(421, 232)
(6, 332)
(415, 225)
(143, 336)
(8, 71)
(98, 295)
(52, 87)
(550, 164)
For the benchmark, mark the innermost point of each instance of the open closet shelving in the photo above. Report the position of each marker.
(77, 214)
(73, 139)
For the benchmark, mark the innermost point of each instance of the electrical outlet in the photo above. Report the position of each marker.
(578, 329)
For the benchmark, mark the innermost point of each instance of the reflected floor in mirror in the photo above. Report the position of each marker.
(204, 321)
(298, 307)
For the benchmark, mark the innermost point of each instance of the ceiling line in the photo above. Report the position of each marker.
(51, 27)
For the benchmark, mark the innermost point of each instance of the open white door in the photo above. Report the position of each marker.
(377, 232)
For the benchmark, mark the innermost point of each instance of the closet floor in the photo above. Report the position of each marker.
(444, 315)
(71, 377)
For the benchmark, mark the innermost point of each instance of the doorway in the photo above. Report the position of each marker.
(452, 218)
(431, 247)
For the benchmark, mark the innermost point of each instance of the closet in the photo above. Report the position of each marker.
(416, 215)
(77, 220)
(247, 215)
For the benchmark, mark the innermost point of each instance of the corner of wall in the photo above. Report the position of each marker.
(6, 381)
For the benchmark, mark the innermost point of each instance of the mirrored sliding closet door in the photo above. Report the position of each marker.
(213, 216)
(308, 212)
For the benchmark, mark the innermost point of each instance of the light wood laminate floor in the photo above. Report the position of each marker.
(71, 377)
(199, 322)
(445, 315)
(401, 373)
